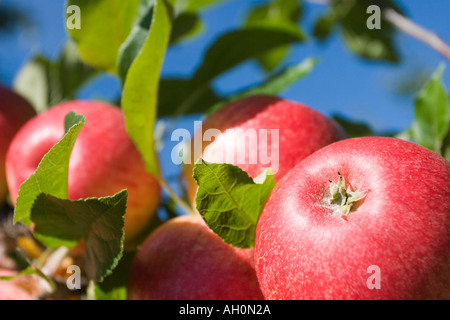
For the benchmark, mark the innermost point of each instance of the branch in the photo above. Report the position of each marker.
(409, 27)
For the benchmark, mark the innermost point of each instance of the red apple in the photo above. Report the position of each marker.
(363, 218)
(185, 260)
(104, 160)
(10, 290)
(14, 112)
(301, 131)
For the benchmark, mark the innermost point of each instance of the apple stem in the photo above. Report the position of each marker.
(342, 198)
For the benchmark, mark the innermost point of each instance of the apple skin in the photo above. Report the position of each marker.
(302, 130)
(14, 112)
(9, 290)
(402, 226)
(185, 260)
(103, 162)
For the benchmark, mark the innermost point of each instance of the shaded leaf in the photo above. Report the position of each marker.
(172, 94)
(353, 128)
(98, 222)
(186, 26)
(352, 16)
(114, 286)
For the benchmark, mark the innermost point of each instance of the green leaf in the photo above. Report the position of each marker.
(274, 85)
(235, 47)
(432, 113)
(105, 24)
(230, 201)
(371, 44)
(140, 93)
(186, 26)
(98, 222)
(277, 12)
(51, 175)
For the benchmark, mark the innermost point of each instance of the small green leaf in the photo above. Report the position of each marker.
(230, 201)
(51, 176)
(98, 222)
(432, 113)
(274, 85)
(140, 93)
(323, 26)
(105, 24)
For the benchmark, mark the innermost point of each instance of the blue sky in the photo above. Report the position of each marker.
(341, 83)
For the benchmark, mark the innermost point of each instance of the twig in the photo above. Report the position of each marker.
(411, 28)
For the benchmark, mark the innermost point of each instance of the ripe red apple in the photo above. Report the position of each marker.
(363, 218)
(10, 290)
(185, 260)
(14, 112)
(301, 131)
(104, 160)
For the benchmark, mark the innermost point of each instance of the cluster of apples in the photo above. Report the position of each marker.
(340, 206)
(349, 218)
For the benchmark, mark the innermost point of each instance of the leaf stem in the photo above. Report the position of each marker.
(178, 200)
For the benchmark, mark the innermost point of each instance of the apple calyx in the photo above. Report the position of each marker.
(342, 198)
